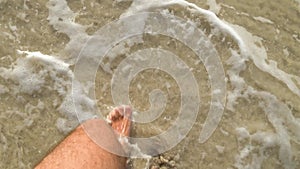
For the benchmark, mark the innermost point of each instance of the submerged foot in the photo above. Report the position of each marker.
(120, 120)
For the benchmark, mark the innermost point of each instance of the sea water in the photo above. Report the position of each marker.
(247, 114)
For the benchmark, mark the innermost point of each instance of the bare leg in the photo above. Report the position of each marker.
(78, 150)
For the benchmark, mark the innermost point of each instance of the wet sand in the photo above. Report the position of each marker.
(32, 122)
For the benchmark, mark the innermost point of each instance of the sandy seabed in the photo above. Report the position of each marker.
(260, 123)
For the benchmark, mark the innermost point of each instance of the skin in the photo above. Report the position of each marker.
(81, 150)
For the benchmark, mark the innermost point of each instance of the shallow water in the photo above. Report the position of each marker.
(256, 44)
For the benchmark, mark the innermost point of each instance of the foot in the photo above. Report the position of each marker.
(120, 120)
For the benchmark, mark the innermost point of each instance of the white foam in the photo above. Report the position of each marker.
(144, 6)
(268, 139)
(132, 149)
(242, 133)
(278, 114)
(286, 52)
(24, 75)
(30, 80)
(220, 149)
(62, 18)
(296, 37)
(58, 65)
(213, 6)
(263, 20)
(259, 57)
